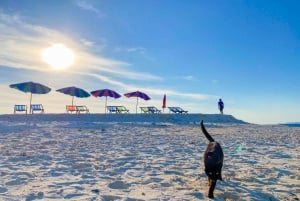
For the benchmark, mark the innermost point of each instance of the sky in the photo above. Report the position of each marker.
(246, 52)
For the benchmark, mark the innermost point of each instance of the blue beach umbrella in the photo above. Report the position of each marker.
(106, 93)
(74, 91)
(137, 94)
(32, 88)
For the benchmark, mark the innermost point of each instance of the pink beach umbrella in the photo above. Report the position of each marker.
(137, 94)
(106, 93)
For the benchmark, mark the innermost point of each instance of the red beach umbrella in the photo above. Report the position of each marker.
(164, 105)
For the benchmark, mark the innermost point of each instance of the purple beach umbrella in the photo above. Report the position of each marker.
(106, 93)
(137, 94)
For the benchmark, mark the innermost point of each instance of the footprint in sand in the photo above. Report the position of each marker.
(96, 191)
(32, 196)
(118, 185)
(73, 196)
(15, 182)
(111, 197)
(3, 190)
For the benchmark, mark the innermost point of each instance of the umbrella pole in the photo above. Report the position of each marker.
(137, 102)
(72, 100)
(30, 103)
(105, 104)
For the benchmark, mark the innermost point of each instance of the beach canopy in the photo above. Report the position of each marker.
(74, 91)
(32, 88)
(137, 94)
(106, 93)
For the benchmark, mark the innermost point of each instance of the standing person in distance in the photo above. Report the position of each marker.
(221, 105)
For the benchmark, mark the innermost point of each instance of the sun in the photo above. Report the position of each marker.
(58, 56)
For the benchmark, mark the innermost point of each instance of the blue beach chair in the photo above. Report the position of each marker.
(20, 108)
(180, 110)
(112, 109)
(36, 107)
(153, 109)
(177, 110)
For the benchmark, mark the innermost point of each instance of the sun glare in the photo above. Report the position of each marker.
(58, 56)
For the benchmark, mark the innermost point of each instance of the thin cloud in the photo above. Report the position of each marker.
(140, 50)
(194, 96)
(189, 77)
(136, 49)
(23, 43)
(87, 5)
(87, 43)
(215, 81)
(98, 46)
(156, 92)
(116, 68)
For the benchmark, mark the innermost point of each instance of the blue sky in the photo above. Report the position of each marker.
(245, 52)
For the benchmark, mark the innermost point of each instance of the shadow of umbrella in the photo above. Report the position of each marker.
(106, 93)
(137, 94)
(32, 88)
(74, 91)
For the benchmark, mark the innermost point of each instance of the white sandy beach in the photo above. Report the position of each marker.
(143, 157)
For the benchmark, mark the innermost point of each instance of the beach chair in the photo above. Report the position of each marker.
(153, 109)
(173, 110)
(121, 109)
(71, 108)
(36, 107)
(112, 109)
(82, 108)
(144, 110)
(20, 108)
(181, 111)
(177, 110)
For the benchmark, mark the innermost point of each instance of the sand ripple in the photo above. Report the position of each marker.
(69, 160)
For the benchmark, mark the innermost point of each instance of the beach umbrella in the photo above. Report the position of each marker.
(106, 93)
(164, 105)
(137, 94)
(74, 91)
(32, 88)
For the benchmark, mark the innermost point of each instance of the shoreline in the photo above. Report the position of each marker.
(149, 118)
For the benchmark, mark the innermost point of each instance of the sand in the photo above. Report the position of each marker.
(143, 157)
